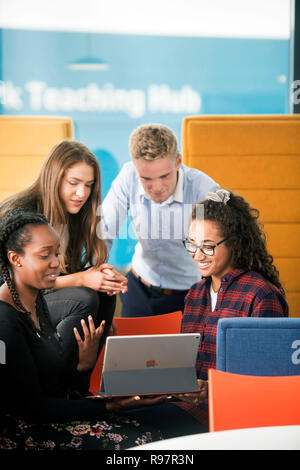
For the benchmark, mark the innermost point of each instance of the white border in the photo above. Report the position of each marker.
(200, 18)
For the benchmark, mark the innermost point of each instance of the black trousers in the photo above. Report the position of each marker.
(143, 301)
(67, 307)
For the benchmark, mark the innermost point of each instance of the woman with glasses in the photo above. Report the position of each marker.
(239, 277)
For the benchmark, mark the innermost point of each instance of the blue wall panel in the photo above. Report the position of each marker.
(149, 79)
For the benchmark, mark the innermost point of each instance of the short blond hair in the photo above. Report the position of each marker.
(152, 141)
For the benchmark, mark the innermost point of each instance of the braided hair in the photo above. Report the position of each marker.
(14, 235)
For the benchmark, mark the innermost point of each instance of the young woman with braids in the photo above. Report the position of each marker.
(40, 408)
(239, 278)
(68, 192)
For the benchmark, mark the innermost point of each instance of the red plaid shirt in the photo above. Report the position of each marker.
(241, 294)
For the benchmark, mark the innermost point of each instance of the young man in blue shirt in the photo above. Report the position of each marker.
(157, 191)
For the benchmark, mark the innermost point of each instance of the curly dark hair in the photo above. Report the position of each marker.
(237, 220)
(14, 235)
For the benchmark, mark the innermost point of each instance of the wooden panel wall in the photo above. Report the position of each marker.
(24, 144)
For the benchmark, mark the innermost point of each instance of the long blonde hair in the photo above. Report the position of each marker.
(84, 245)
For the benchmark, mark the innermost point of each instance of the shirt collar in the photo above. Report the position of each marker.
(229, 277)
(178, 193)
(176, 196)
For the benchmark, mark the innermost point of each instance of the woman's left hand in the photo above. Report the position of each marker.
(88, 347)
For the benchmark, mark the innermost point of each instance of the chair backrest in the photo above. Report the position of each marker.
(168, 323)
(25, 142)
(258, 157)
(243, 401)
(259, 346)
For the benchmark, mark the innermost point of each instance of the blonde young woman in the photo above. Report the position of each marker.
(68, 193)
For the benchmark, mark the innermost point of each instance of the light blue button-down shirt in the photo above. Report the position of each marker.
(159, 227)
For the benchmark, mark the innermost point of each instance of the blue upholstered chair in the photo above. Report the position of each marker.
(259, 346)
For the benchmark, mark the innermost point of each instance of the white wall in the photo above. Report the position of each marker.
(223, 18)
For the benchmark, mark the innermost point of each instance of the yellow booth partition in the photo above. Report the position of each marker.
(24, 143)
(258, 157)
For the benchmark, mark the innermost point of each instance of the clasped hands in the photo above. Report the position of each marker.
(104, 279)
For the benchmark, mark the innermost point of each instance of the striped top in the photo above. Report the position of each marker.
(158, 227)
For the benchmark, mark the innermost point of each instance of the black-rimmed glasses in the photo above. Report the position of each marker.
(208, 250)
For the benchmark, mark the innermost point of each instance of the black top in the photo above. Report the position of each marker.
(35, 381)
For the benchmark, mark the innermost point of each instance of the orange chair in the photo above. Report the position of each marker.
(243, 401)
(168, 323)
